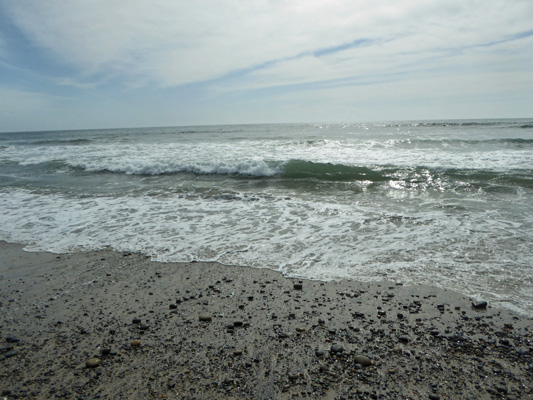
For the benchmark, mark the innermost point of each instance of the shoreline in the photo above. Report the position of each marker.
(208, 330)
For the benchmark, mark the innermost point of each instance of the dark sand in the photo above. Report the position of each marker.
(265, 336)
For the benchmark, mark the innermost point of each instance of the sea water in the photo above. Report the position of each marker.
(445, 203)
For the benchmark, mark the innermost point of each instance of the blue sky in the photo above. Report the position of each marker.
(109, 63)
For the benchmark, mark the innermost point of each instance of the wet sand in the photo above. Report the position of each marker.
(113, 325)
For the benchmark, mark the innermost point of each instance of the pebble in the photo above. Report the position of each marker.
(482, 305)
(12, 339)
(92, 362)
(363, 360)
(5, 349)
(403, 338)
(337, 348)
(10, 354)
(135, 343)
(298, 286)
(205, 317)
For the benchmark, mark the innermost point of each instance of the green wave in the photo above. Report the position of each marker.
(298, 169)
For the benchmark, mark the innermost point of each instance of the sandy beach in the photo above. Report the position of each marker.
(116, 325)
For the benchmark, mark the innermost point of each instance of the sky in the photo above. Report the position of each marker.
(89, 64)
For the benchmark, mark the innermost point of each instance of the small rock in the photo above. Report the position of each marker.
(319, 353)
(482, 305)
(135, 343)
(403, 338)
(136, 321)
(172, 306)
(397, 349)
(92, 362)
(363, 360)
(5, 349)
(12, 339)
(205, 317)
(10, 354)
(336, 348)
(501, 389)
(298, 286)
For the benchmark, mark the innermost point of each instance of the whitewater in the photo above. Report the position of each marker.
(445, 203)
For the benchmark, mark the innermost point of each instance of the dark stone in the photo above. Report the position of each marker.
(172, 306)
(482, 305)
(10, 354)
(336, 348)
(205, 317)
(298, 286)
(136, 321)
(12, 339)
(5, 349)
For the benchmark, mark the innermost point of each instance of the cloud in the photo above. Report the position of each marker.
(170, 43)
(263, 60)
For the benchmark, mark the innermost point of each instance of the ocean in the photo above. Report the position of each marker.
(444, 203)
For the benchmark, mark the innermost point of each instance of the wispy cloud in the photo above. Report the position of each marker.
(261, 47)
(172, 42)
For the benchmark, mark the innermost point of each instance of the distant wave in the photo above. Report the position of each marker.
(442, 143)
(60, 142)
(432, 124)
